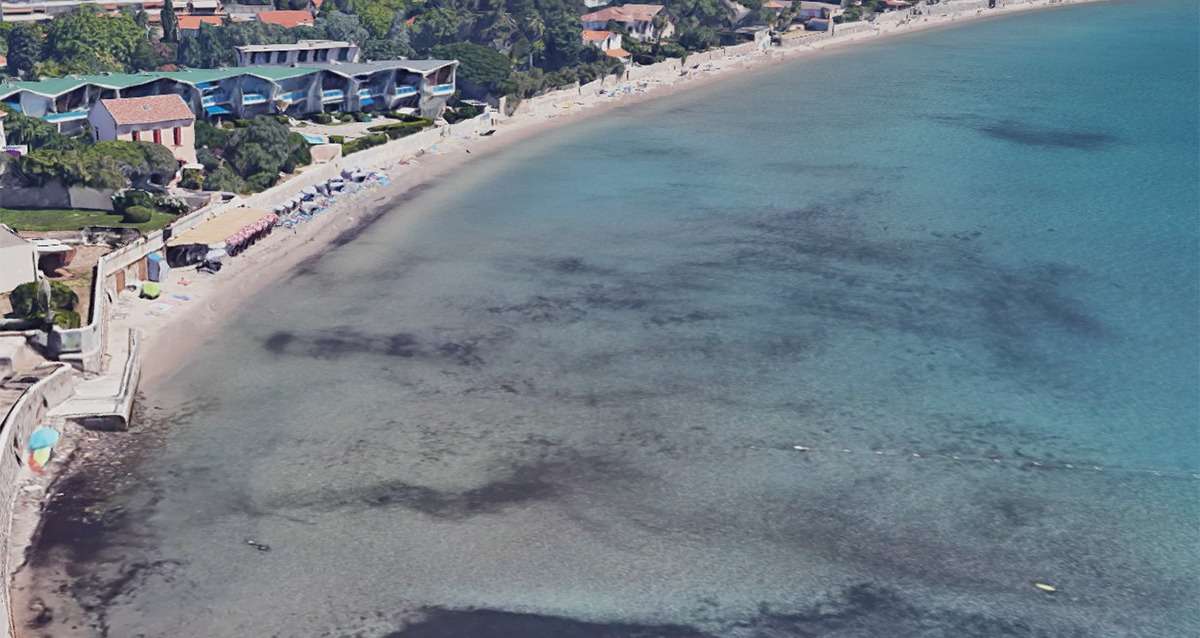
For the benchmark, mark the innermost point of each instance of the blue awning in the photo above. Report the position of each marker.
(366, 101)
(217, 110)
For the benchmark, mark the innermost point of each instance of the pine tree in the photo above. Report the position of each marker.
(170, 23)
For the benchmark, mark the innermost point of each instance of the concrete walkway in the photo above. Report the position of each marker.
(106, 401)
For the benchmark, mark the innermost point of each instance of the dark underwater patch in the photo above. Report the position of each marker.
(864, 610)
(438, 622)
(336, 343)
(522, 483)
(1018, 133)
(1030, 135)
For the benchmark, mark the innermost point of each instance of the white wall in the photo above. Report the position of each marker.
(18, 264)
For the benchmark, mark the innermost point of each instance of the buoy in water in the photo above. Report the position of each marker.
(1049, 589)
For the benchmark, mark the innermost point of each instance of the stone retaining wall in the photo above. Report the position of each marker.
(22, 419)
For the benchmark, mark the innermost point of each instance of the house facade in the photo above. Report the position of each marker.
(49, 9)
(607, 41)
(638, 20)
(302, 52)
(161, 119)
(241, 92)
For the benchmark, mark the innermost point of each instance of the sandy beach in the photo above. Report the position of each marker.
(213, 299)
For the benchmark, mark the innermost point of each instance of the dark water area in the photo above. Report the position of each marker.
(863, 345)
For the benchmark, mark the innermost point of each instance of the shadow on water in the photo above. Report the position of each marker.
(863, 610)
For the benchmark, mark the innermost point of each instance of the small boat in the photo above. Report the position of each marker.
(53, 254)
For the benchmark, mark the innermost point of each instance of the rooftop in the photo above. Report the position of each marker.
(288, 19)
(53, 87)
(626, 13)
(360, 68)
(302, 44)
(192, 23)
(595, 36)
(147, 110)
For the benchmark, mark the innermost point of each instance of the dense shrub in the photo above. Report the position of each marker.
(397, 130)
(67, 319)
(224, 179)
(261, 181)
(210, 136)
(113, 164)
(363, 143)
(25, 301)
(192, 179)
(138, 214)
(127, 199)
(337, 139)
(321, 118)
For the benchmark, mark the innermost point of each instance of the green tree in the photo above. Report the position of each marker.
(85, 41)
(395, 45)
(482, 66)
(170, 23)
(24, 49)
(261, 147)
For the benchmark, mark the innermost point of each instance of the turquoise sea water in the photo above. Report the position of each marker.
(961, 268)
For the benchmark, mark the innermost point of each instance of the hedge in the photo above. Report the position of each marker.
(396, 130)
(138, 214)
(363, 143)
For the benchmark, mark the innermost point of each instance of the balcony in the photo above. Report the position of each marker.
(253, 98)
(442, 90)
(214, 99)
(294, 96)
(66, 116)
(404, 90)
(332, 95)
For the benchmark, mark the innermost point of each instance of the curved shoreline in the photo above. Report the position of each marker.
(284, 253)
(273, 258)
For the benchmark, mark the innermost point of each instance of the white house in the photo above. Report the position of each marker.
(820, 10)
(606, 41)
(162, 119)
(638, 20)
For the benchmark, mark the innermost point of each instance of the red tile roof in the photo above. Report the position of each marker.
(151, 109)
(288, 19)
(192, 23)
(594, 36)
(776, 4)
(627, 13)
(616, 53)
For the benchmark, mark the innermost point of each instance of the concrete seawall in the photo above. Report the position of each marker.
(55, 385)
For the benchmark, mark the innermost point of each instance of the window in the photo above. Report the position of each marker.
(178, 136)
(304, 56)
(137, 135)
(281, 57)
(157, 136)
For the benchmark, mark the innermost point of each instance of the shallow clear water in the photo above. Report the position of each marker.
(960, 267)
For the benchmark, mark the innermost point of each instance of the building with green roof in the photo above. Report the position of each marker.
(240, 92)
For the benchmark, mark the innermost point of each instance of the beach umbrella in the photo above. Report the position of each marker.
(43, 438)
